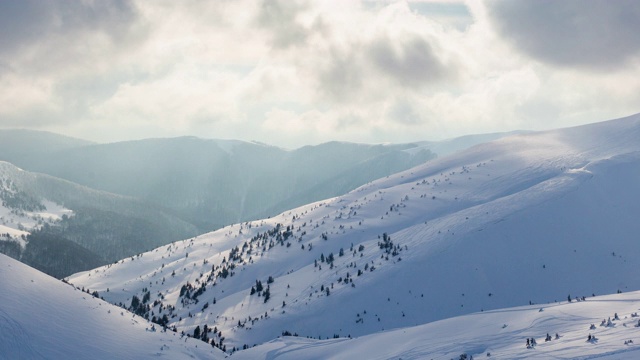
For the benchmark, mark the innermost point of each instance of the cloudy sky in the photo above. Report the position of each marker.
(296, 72)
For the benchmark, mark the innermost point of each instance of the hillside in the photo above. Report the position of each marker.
(22, 212)
(27, 145)
(528, 219)
(498, 334)
(212, 183)
(449, 146)
(60, 227)
(43, 318)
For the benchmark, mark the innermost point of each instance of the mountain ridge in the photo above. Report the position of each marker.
(457, 232)
(211, 183)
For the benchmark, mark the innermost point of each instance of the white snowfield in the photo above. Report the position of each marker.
(497, 334)
(532, 218)
(43, 318)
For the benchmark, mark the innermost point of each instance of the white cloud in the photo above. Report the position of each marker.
(19, 95)
(179, 99)
(297, 72)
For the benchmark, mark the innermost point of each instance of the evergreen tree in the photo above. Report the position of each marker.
(267, 294)
(135, 302)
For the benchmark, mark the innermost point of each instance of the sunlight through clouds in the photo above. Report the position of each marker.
(366, 71)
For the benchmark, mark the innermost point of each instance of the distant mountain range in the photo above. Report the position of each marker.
(528, 219)
(212, 183)
(129, 197)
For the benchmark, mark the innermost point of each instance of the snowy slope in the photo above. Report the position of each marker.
(449, 146)
(21, 212)
(526, 219)
(43, 318)
(73, 227)
(500, 334)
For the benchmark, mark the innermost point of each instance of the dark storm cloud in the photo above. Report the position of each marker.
(596, 34)
(23, 22)
(411, 61)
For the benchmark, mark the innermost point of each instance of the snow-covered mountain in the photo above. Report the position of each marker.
(21, 212)
(578, 330)
(533, 218)
(43, 318)
(60, 227)
(211, 183)
(449, 146)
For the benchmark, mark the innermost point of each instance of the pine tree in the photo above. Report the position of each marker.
(205, 331)
(267, 294)
(135, 302)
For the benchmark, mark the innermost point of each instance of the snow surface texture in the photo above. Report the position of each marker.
(526, 219)
(498, 334)
(43, 318)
